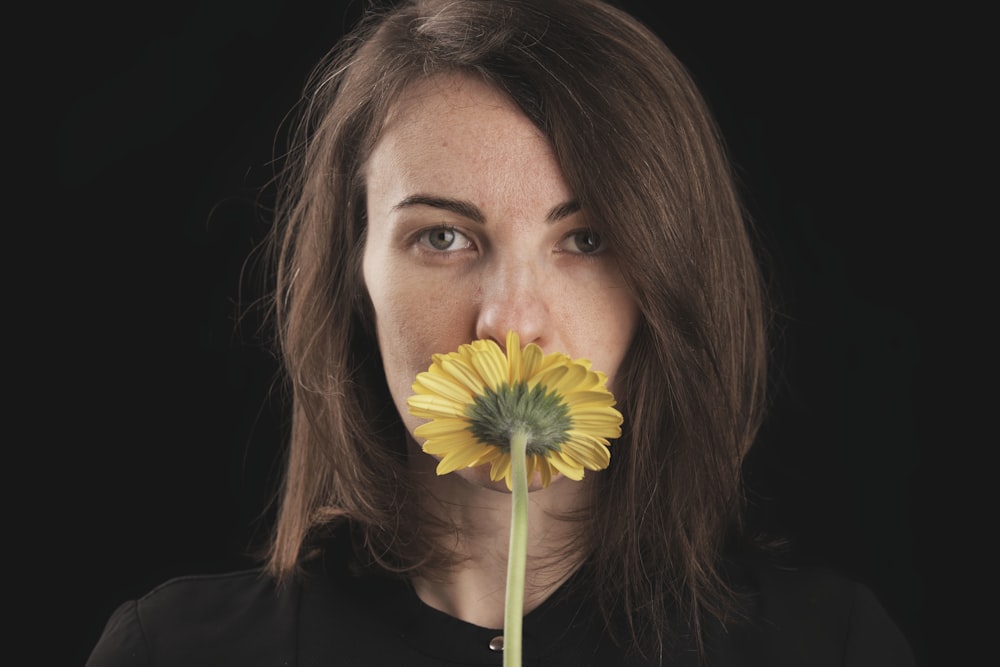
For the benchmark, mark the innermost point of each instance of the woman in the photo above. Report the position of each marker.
(465, 169)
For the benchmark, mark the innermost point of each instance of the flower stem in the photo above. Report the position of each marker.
(517, 552)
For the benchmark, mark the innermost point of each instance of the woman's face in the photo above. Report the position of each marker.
(472, 232)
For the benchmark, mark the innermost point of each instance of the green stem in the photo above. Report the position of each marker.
(517, 552)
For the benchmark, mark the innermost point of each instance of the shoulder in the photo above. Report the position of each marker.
(239, 618)
(816, 616)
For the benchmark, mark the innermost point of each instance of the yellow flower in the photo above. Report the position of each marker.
(477, 397)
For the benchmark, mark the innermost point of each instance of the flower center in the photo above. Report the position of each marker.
(495, 415)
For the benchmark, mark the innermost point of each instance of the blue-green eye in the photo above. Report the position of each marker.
(584, 242)
(444, 239)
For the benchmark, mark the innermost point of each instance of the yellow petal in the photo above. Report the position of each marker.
(531, 359)
(500, 468)
(589, 455)
(546, 470)
(464, 374)
(491, 364)
(568, 469)
(446, 444)
(612, 420)
(529, 465)
(429, 383)
(432, 406)
(550, 361)
(439, 427)
(560, 379)
(513, 357)
(457, 459)
(588, 398)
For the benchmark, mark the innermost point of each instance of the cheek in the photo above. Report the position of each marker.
(621, 323)
(395, 312)
(604, 318)
(414, 318)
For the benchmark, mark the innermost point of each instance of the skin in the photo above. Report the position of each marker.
(473, 231)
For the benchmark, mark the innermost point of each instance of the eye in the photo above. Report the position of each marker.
(583, 242)
(444, 239)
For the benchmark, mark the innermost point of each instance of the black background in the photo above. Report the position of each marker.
(152, 396)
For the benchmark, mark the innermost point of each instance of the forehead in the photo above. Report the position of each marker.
(447, 111)
(455, 134)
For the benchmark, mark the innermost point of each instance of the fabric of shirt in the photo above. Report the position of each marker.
(329, 617)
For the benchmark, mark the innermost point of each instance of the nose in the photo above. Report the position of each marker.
(514, 297)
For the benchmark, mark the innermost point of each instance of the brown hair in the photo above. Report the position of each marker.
(640, 150)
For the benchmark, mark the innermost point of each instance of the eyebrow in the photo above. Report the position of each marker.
(471, 211)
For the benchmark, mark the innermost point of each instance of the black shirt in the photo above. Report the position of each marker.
(329, 617)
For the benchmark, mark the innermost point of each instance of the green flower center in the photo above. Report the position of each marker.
(542, 414)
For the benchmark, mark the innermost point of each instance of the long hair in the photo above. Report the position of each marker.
(641, 152)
